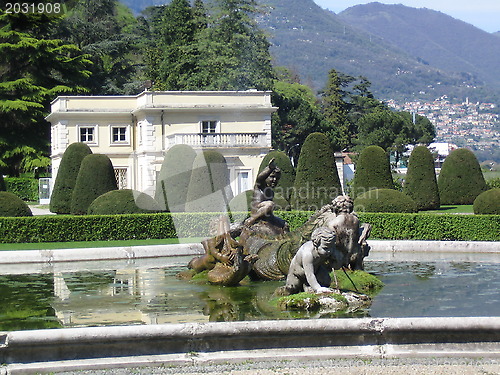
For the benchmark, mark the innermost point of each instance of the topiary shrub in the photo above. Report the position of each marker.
(284, 188)
(96, 177)
(11, 205)
(60, 200)
(209, 189)
(421, 183)
(488, 202)
(317, 181)
(126, 201)
(174, 177)
(242, 202)
(384, 200)
(373, 171)
(461, 179)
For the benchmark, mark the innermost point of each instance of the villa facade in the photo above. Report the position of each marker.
(136, 131)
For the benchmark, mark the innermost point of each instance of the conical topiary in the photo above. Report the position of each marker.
(317, 181)
(174, 177)
(209, 188)
(284, 188)
(60, 200)
(420, 182)
(125, 201)
(96, 177)
(488, 202)
(384, 200)
(13, 206)
(373, 171)
(461, 179)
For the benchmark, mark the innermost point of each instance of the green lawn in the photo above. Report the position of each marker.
(67, 245)
(453, 209)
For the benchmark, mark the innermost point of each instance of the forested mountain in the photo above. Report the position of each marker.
(405, 52)
(432, 37)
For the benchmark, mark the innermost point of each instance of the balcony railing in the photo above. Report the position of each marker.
(221, 140)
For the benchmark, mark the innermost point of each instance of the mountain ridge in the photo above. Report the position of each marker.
(311, 41)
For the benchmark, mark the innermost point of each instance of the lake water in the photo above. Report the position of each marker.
(148, 292)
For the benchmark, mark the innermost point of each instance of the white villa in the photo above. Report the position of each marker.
(136, 131)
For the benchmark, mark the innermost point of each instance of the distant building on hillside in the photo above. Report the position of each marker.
(136, 131)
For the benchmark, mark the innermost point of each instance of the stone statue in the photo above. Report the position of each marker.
(351, 236)
(265, 247)
(224, 258)
(262, 219)
(312, 264)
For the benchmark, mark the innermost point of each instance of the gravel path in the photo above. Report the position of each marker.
(407, 366)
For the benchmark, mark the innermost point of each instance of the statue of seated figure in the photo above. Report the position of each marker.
(312, 264)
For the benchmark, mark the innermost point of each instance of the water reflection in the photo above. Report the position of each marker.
(151, 294)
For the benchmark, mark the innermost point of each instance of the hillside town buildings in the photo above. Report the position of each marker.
(469, 124)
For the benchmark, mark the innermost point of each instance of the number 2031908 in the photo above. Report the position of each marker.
(37, 8)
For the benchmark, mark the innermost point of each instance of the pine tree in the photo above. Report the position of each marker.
(317, 181)
(420, 182)
(95, 177)
(335, 112)
(60, 200)
(35, 69)
(373, 171)
(461, 179)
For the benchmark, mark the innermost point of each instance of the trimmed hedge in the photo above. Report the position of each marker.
(165, 225)
(120, 202)
(461, 179)
(209, 189)
(316, 181)
(173, 180)
(13, 206)
(24, 188)
(384, 200)
(373, 171)
(421, 182)
(60, 201)
(488, 202)
(96, 177)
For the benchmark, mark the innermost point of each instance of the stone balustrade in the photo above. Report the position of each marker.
(218, 140)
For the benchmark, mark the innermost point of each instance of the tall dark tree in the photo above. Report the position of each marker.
(297, 116)
(34, 69)
(335, 112)
(105, 30)
(234, 52)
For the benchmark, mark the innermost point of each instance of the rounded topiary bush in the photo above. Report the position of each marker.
(284, 188)
(174, 177)
(124, 201)
(461, 179)
(384, 200)
(96, 177)
(373, 171)
(317, 181)
(12, 205)
(488, 202)
(60, 200)
(420, 182)
(209, 187)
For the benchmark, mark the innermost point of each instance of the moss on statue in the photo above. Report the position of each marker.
(357, 281)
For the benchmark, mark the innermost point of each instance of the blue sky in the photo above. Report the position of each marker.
(484, 14)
